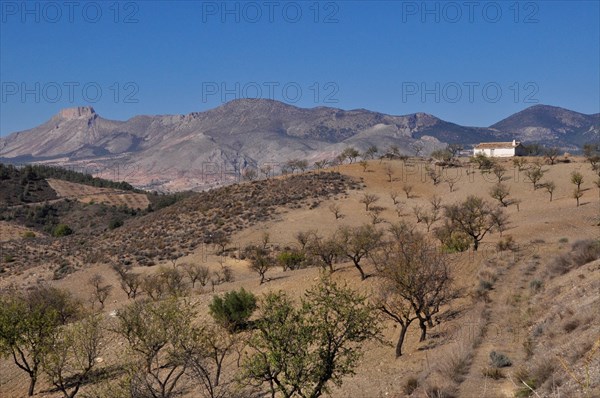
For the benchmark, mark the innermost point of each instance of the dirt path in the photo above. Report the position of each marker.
(506, 328)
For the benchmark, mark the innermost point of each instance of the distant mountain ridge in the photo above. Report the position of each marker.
(175, 152)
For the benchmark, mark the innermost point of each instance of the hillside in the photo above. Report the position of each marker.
(550, 124)
(514, 298)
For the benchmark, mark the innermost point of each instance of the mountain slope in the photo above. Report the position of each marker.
(203, 149)
(553, 125)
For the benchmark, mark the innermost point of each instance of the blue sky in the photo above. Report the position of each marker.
(470, 63)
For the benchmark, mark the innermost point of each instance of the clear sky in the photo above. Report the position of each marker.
(469, 62)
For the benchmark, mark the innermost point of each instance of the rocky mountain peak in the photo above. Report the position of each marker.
(77, 112)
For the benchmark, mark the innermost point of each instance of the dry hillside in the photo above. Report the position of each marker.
(530, 292)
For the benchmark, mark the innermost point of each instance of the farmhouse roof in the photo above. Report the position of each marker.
(498, 145)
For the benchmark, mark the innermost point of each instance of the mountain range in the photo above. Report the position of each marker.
(203, 149)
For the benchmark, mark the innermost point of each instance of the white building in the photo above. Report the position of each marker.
(500, 149)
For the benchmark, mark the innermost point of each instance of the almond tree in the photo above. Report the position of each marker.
(357, 243)
(335, 209)
(368, 199)
(534, 174)
(577, 194)
(327, 250)
(474, 216)
(29, 323)
(577, 179)
(299, 351)
(549, 187)
(72, 355)
(500, 192)
(389, 172)
(415, 281)
(499, 171)
(197, 273)
(551, 154)
(100, 290)
(260, 261)
(158, 335)
(130, 282)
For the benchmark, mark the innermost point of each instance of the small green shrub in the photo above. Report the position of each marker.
(62, 230)
(291, 259)
(499, 360)
(456, 242)
(234, 309)
(29, 234)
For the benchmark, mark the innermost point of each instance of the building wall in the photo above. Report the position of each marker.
(496, 153)
(520, 151)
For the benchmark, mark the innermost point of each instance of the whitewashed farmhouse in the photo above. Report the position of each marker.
(500, 149)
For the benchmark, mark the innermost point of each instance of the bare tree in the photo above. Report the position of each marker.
(519, 163)
(159, 334)
(475, 217)
(130, 282)
(335, 209)
(500, 192)
(100, 290)
(304, 237)
(197, 273)
(368, 199)
(389, 172)
(364, 165)
(260, 261)
(534, 174)
(417, 148)
(451, 182)
(551, 154)
(407, 190)
(371, 152)
(350, 153)
(436, 203)
(266, 170)
(549, 186)
(394, 196)
(418, 211)
(375, 212)
(327, 250)
(577, 194)
(400, 209)
(250, 174)
(499, 171)
(357, 243)
(321, 164)
(435, 175)
(219, 239)
(207, 354)
(454, 149)
(415, 282)
(430, 218)
(500, 220)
